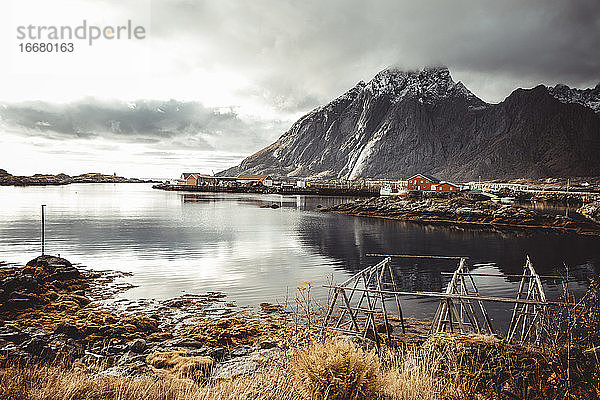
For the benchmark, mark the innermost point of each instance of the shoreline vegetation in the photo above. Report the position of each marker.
(466, 211)
(62, 337)
(7, 179)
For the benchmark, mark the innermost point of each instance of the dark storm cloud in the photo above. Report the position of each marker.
(277, 59)
(170, 124)
(302, 53)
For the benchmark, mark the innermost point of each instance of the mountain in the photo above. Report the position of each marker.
(588, 97)
(404, 122)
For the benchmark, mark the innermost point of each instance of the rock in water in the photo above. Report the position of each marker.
(52, 268)
(48, 261)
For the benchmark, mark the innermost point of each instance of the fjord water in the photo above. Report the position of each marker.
(175, 243)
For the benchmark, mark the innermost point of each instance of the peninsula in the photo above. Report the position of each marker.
(466, 211)
(7, 179)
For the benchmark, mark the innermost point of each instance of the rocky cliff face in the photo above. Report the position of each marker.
(401, 123)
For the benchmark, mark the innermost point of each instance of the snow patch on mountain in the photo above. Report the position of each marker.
(364, 156)
(586, 97)
(427, 85)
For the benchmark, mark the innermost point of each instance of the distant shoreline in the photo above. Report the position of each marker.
(7, 179)
(314, 191)
(466, 213)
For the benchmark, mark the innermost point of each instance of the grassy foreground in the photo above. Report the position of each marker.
(445, 367)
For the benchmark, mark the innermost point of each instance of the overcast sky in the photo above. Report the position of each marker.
(240, 72)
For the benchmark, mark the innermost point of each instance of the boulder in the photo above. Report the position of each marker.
(64, 274)
(81, 300)
(51, 268)
(69, 330)
(137, 345)
(241, 366)
(130, 357)
(36, 346)
(49, 261)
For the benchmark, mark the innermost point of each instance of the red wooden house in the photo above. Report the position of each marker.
(421, 182)
(445, 187)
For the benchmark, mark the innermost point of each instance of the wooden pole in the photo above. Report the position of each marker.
(330, 310)
(343, 313)
(43, 228)
(462, 296)
(354, 324)
(358, 274)
(471, 311)
(364, 295)
(371, 315)
(417, 256)
(486, 317)
(396, 297)
(456, 308)
(515, 318)
(503, 275)
(385, 316)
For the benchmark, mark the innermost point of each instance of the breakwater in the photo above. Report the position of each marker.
(316, 191)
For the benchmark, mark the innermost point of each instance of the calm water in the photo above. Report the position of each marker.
(176, 243)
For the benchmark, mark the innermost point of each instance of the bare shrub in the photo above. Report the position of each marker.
(337, 370)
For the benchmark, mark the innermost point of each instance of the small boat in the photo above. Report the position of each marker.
(503, 200)
(388, 191)
(507, 200)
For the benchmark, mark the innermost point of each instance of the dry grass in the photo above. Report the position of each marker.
(52, 383)
(447, 367)
(337, 370)
(193, 367)
(413, 374)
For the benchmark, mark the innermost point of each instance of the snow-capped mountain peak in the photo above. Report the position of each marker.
(586, 97)
(427, 85)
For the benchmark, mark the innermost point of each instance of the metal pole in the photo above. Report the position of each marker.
(43, 227)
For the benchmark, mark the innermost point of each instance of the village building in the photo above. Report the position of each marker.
(445, 187)
(252, 180)
(421, 182)
(428, 183)
(197, 179)
(191, 178)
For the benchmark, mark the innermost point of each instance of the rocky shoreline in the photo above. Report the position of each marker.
(7, 179)
(464, 211)
(58, 339)
(52, 311)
